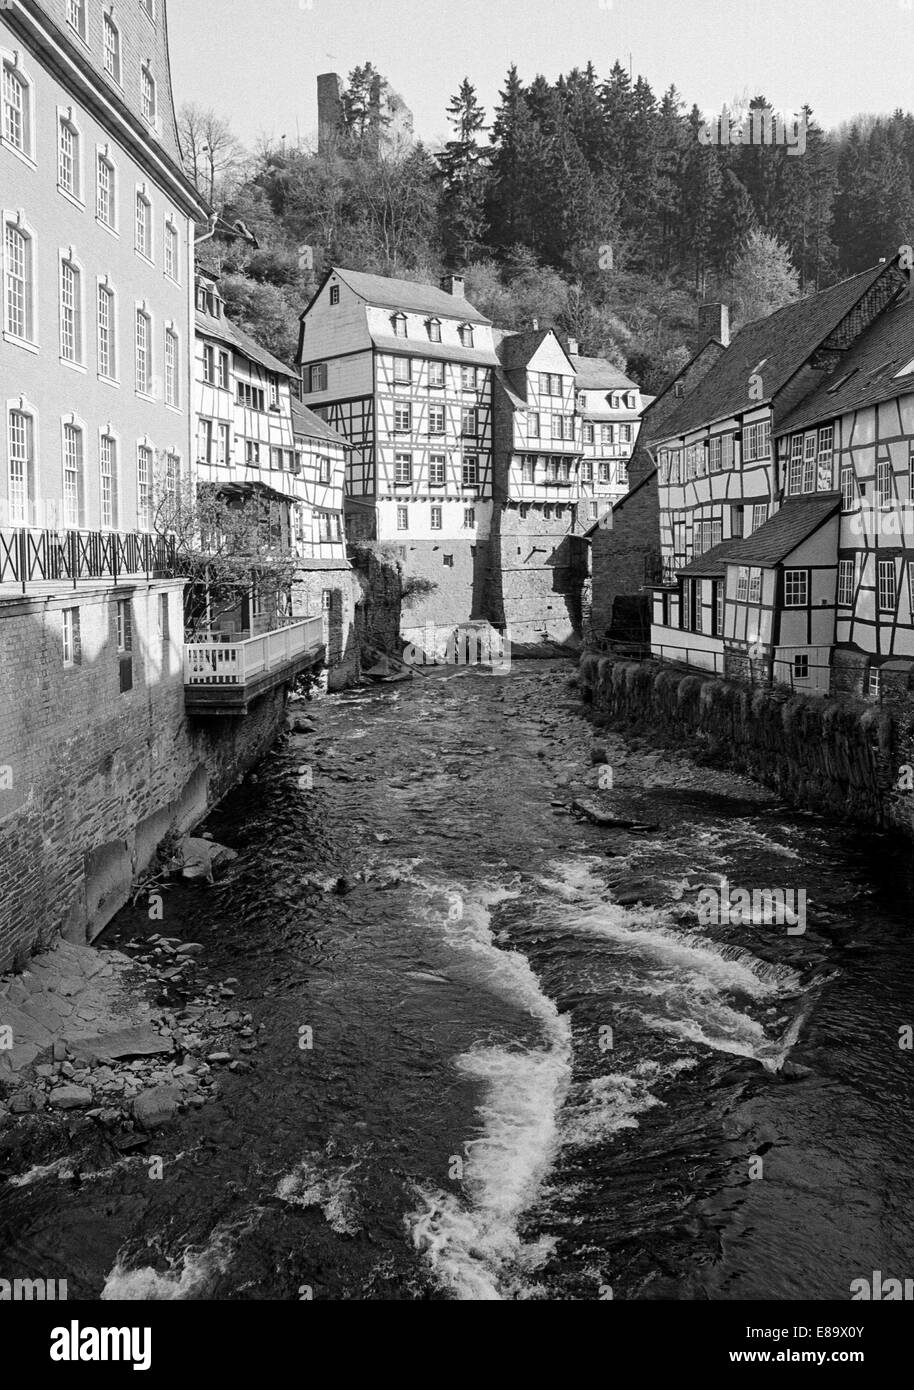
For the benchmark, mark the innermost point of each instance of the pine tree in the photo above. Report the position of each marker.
(461, 167)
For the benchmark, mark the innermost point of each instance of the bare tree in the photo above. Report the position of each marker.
(213, 158)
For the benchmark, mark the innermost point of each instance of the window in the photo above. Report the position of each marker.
(588, 432)
(403, 418)
(252, 397)
(875, 683)
(223, 444)
(403, 370)
(755, 585)
(107, 365)
(16, 128)
(112, 49)
(150, 7)
(318, 376)
(607, 434)
(205, 440)
(143, 353)
(801, 666)
(148, 96)
(887, 586)
(275, 458)
(466, 335)
(796, 588)
(434, 330)
(403, 469)
(209, 364)
(436, 419)
(469, 518)
(323, 468)
(533, 424)
(528, 467)
(70, 312)
(436, 518)
(70, 636)
(809, 463)
(558, 426)
(172, 369)
(469, 422)
(399, 325)
(719, 588)
(848, 490)
(124, 626)
(334, 294)
(911, 584)
(603, 473)
(715, 454)
(625, 434)
(172, 477)
(470, 471)
(22, 466)
(68, 157)
(224, 371)
(108, 472)
(144, 226)
(795, 470)
(144, 486)
(171, 251)
(547, 512)
(742, 584)
(402, 518)
(884, 486)
(72, 475)
(104, 191)
(252, 453)
(19, 298)
(587, 471)
(436, 373)
(468, 378)
(759, 515)
(436, 470)
(825, 457)
(76, 16)
(845, 583)
(757, 441)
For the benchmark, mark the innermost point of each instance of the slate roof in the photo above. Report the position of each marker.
(444, 352)
(713, 564)
(776, 347)
(305, 422)
(790, 526)
(224, 331)
(867, 373)
(596, 374)
(516, 349)
(386, 293)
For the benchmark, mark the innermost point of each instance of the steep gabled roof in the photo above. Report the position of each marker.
(713, 563)
(385, 293)
(224, 331)
(790, 526)
(775, 347)
(311, 426)
(868, 372)
(515, 349)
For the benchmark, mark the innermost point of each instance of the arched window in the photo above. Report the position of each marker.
(143, 352)
(70, 311)
(21, 438)
(143, 225)
(19, 289)
(107, 324)
(16, 127)
(72, 475)
(106, 191)
(68, 161)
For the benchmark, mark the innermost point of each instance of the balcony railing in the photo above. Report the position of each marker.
(28, 555)
(227, 675)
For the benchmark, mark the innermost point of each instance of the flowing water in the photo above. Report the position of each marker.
(533, 1073)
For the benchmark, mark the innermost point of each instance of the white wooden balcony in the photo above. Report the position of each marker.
(224, 676)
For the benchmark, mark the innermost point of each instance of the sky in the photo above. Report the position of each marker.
(256, 61)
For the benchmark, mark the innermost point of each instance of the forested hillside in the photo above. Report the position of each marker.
(587, 203)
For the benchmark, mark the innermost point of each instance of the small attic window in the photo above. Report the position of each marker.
(334, 294)
(434, 330)
(399, 323)
(466, 335)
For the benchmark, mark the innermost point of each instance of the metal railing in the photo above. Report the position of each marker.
(28, 555)
(214, 662)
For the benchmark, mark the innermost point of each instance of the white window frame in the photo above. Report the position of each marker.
(145, 466)
(149, 88)
(16, 223)
(67, 126)
(792, 589)
(436, 517)
(104, 161)
(73, 429)
(403, 469)
(887, 579)
(846, 578)
(110, 27)
(146, 248)
(70, 266)
(12, 71)
(437, 470)
(171, 253)
(172, 368)
(105, 291)
(108, 452)
(143, 382)
(23, 491)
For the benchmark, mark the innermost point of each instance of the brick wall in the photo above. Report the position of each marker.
(537, 572)
(343, 592)
(622, 557)
(97, 775)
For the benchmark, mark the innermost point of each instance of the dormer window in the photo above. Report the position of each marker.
(614, 401)
(434, 330)
(399, 323)
(466, 335)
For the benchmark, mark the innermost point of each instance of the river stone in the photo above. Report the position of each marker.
(156, 1106)
(126, 1042)
(200, 857)
(71, 1097)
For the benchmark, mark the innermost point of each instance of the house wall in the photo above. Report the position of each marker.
(95, 777)
(623, 555)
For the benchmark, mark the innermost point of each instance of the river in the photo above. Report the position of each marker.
(499, 1058)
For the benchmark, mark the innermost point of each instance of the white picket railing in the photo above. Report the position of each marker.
(236, 663)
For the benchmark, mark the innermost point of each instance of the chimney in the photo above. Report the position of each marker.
(534, 324)
(574, 347)
(714, 322)
(453, 284)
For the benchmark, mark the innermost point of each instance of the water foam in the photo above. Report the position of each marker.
(192, 1274)
(312, 1184)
